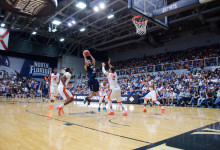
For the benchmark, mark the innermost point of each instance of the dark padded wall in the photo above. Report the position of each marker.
(22, 46)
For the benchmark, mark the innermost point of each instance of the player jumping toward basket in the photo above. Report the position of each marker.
(67, 96)
(92, 82)
(54, 79)
(115, 90)
(152, 95)
(103, 94)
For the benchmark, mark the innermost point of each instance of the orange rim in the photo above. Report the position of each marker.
(138, 17)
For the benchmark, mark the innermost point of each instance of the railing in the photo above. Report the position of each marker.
(188, 64)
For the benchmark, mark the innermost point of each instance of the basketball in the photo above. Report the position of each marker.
(86, 52)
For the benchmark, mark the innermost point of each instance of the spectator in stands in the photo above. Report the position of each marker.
(173, 95)
(180, 97)
(195, 96)
(217, 101)
(187, 98)
(210, 98)
(202, 97)
(166, 97)
(160, 95)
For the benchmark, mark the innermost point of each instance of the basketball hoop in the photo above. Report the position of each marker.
(140, 24)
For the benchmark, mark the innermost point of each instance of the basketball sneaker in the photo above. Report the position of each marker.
(84, 101)
(99, 109)
(111, 113)
(163, 110)
(88, 100)
(104, 109)
(51, 107)
(144, 110)
(125, 114)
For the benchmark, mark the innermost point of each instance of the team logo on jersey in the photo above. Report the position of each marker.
(131, 99)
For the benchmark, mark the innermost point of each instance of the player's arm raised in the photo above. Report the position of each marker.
(103, 69)
(93, 60)
(86, 62)
(62, 79)
(109, 63)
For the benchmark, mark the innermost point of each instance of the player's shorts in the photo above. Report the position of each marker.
(115, 93)
(54, 90)
(66, 94)
(93, 85)
(151, 96)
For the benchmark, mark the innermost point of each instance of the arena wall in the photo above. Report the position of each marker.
(185, 41)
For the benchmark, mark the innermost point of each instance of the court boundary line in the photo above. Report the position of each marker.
(110, 120)
(89, 128)
(152, 145)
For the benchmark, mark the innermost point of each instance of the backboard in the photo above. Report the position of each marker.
(145, 8)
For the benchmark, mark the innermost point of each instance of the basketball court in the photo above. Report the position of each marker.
(28, 124)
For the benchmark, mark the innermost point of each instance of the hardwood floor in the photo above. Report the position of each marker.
(29, 124)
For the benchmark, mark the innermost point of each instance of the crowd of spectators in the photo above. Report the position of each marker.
(14, 85)
(196, 57)
(196, 87)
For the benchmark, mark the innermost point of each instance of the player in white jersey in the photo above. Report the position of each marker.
(152, 95)
(54, 79)
(103, 88)
(115, 90)
(67, 96)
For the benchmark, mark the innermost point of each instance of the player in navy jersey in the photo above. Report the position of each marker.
(92, 81)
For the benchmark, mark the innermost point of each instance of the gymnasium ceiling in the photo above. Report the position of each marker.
(107, 34)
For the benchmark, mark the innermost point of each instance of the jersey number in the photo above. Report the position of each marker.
(113, 77)
(93, 69)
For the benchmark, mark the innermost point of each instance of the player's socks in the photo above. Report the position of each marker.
(163, 109)
(51, 107)
(145, 109)
(60, 109)
(99, 109)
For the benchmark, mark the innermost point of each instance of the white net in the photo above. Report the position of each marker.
(140, 24)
